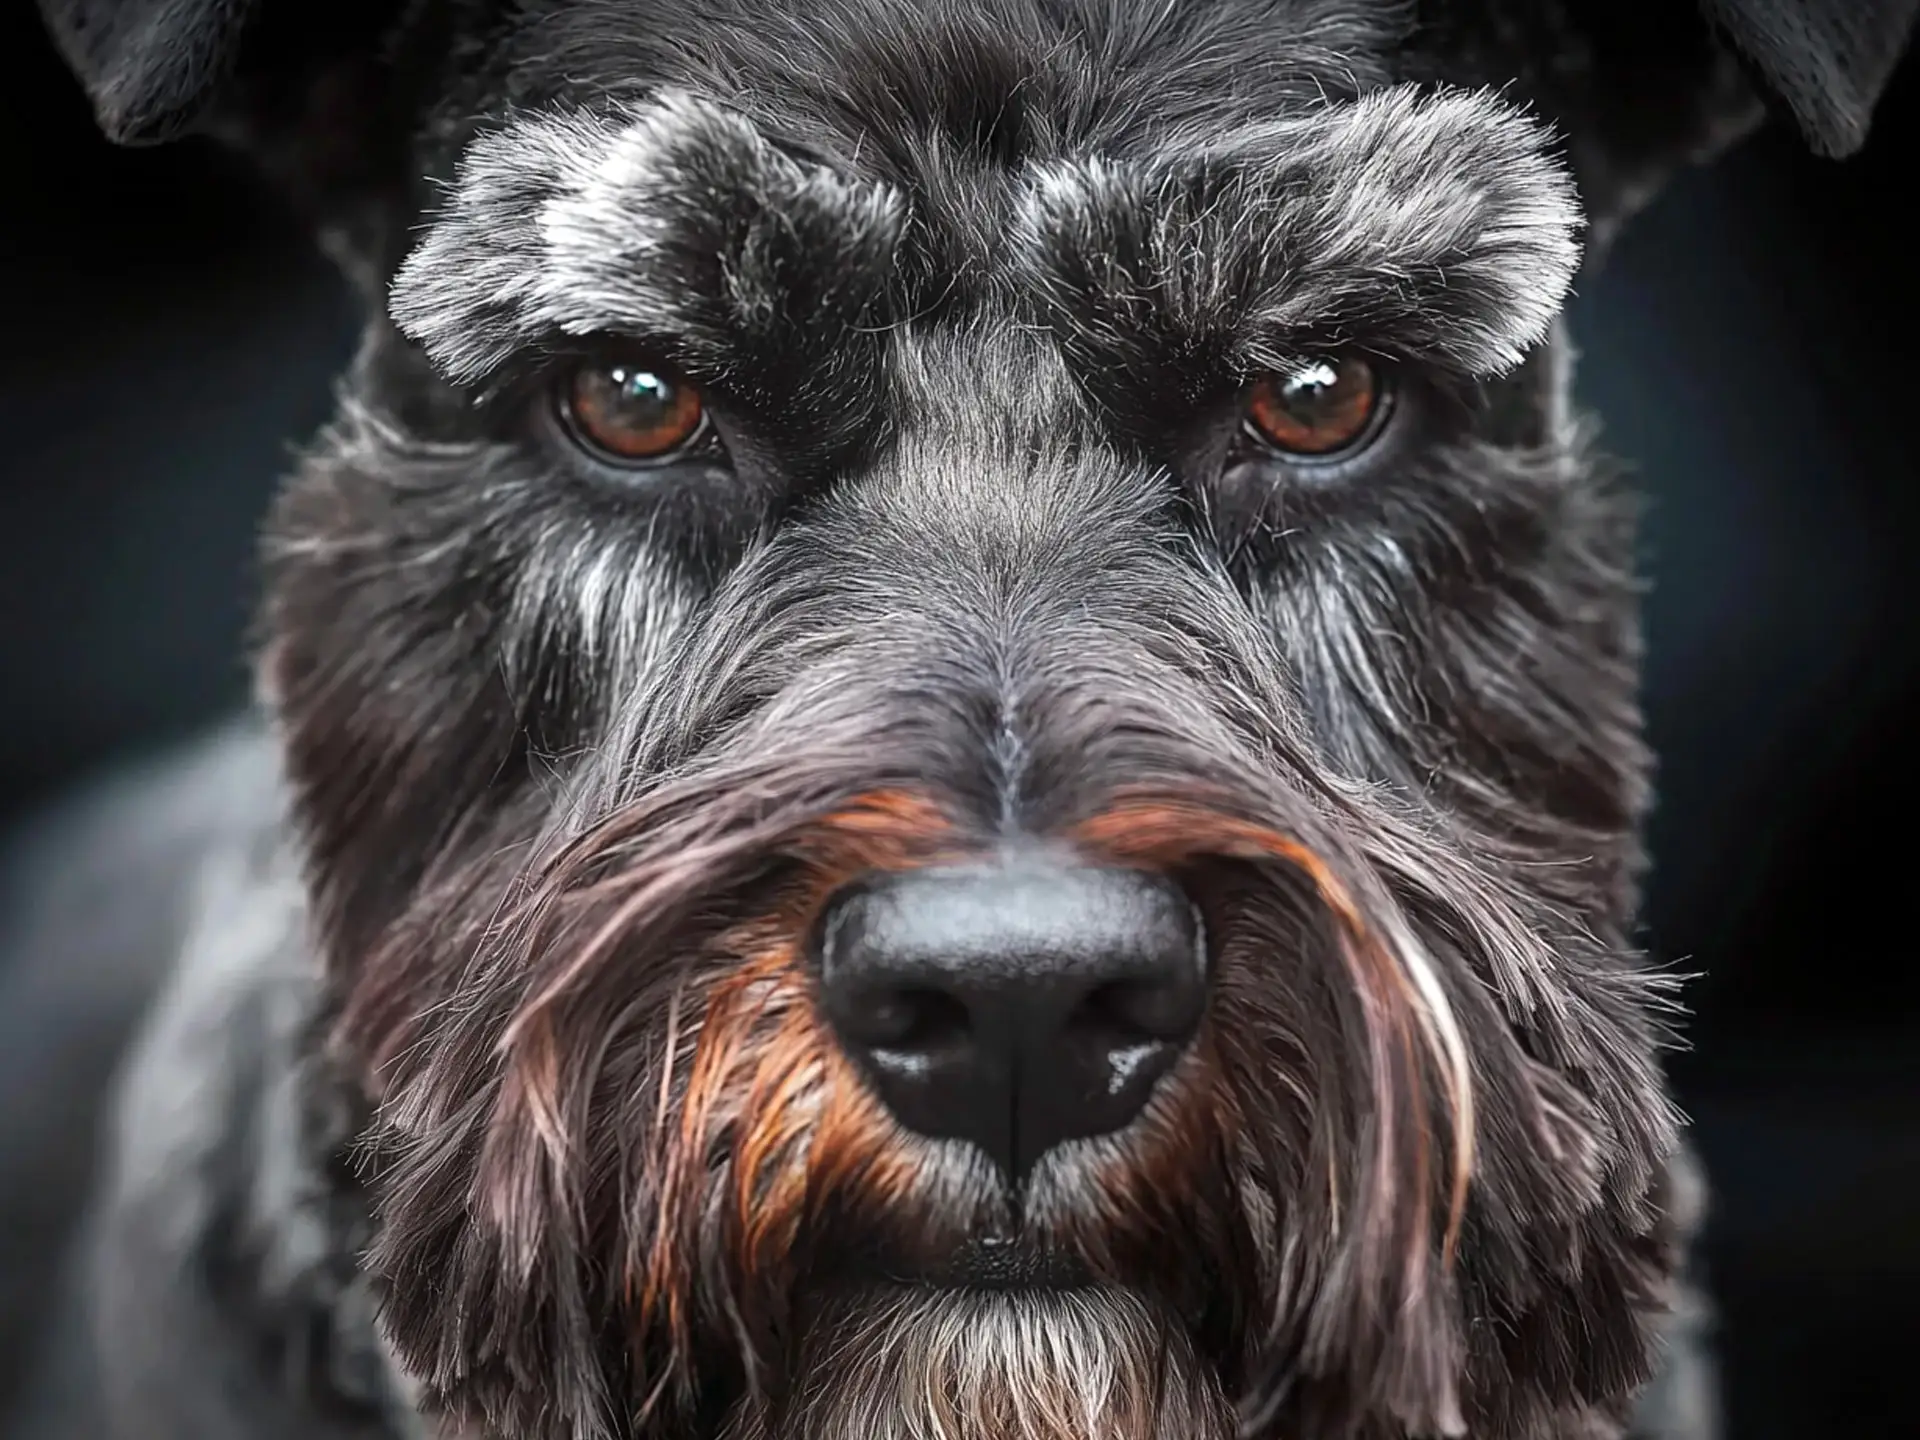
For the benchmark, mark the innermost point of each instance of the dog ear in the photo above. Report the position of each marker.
(1823, 63)
(317, 93)
(158, 69)
(1640, 90)
(151, 67)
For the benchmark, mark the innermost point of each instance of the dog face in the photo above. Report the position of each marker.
(963, 706)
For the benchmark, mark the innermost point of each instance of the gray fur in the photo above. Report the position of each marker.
(443, 1124)
(209, 1188)
(1440, 214)
(961, 1366)
(94, 902)
(569, 224)
(1440, 219)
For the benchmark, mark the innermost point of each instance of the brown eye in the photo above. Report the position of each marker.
(630, 412)
(1321, 408)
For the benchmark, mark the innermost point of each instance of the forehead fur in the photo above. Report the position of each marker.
(1431, 223)
(998, 79)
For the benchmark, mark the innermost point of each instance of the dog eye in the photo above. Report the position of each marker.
(630, 413)
(1322, 409)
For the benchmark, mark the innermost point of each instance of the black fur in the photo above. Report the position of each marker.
(502, 1029)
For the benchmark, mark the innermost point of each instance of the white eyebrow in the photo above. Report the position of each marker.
(587, 222)
(1440, 216)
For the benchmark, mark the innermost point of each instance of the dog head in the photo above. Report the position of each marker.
(962, 703)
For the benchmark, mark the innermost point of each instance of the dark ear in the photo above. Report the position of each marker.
(158, 69)
(1641, 89)
(319, 93)
(152, 68)
(1822, 63)
(148, 65)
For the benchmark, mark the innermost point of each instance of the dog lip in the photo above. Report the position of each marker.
(999, 1263)
(980, 1262)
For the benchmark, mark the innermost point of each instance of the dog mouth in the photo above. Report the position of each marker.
(986, 1262)
(1002, 1263)
(1003, 1329)
(1006, 1361)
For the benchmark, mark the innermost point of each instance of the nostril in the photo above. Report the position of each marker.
(1137, 1012)
(907, 1018)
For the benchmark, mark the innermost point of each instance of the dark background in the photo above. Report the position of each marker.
(166, 336)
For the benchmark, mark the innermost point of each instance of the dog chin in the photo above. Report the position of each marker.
(930, 1363)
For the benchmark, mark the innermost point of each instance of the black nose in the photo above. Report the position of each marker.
(1015, 1005)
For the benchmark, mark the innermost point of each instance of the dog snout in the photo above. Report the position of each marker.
(1017, 1004)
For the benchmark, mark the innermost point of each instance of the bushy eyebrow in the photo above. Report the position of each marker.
(675, 221)
(1435, 224)
(1429, 223)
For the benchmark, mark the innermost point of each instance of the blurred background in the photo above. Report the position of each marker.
(167, 336)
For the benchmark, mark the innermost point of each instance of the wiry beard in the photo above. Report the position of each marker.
(1403, 1181)
(1100, 1363)
(642, 1187)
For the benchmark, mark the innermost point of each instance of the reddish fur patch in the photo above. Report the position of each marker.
(769, 1094)
(1171, 835)
(758, 1129)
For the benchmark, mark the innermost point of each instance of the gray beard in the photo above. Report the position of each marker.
(927, 1364)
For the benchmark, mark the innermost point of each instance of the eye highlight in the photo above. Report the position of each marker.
(630, 413)
(1322, 409)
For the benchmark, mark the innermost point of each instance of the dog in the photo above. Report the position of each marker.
(949, 744)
